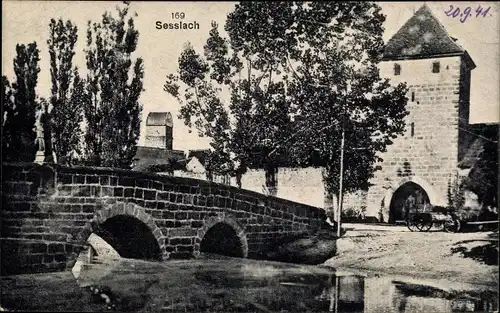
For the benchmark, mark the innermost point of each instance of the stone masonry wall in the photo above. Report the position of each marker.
(48, 212)
(428, 154)
(303, 185)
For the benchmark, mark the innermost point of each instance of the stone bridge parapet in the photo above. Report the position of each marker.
(49, 211)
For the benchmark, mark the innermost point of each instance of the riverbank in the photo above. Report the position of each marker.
(461, 258)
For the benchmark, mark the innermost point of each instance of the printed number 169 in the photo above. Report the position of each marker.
(178, 15)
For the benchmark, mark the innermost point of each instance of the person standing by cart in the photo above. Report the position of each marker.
(408, 206)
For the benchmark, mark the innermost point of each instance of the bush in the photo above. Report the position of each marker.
(468, 214)
(352, 214)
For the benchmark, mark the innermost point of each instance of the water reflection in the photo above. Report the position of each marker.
(240, 285)
(236, 285)
(384, 294)
(229, 286)
(419, 298)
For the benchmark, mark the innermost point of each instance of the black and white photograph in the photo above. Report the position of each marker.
(252, 156)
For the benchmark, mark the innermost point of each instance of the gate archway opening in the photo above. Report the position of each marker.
(130, 237)
(407, 199)
(222, 239)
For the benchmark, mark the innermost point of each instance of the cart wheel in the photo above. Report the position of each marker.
(423, 222)
(452, 226)
(411, 225)
(424, 226)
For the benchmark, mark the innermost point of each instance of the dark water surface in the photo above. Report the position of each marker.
(213, 284)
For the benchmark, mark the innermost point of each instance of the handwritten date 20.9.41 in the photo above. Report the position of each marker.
(467, 12)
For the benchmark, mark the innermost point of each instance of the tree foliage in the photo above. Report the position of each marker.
(456, 192)
(67, 92)
(8, 112)
(483, 177)
(112, 109)
(296, 75)
(20, 105)
(329, 53)
(235, 145)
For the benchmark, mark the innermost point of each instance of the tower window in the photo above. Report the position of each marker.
(436, 67)
(412, 129)
(397, 69)
(412, 96)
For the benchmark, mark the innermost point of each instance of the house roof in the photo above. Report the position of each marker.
(473, 145)
(159, 119)
(423, 36)
(201, 155)
(148, 156)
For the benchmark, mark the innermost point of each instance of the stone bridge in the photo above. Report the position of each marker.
(49, 211)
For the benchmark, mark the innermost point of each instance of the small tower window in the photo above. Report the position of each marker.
(436, 67)
(397, 69)
(412, 96)
(412, 129)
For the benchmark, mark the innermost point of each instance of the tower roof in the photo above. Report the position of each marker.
(422, 36)
(159, 119)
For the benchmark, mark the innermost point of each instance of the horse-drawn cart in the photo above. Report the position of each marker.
(424, 220)
(444, 218)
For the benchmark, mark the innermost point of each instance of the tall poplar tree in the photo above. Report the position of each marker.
(66, 93)
(112, 110)
(22, 103)
(8, 112)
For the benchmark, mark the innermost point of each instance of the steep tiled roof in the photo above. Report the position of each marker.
(421, 36)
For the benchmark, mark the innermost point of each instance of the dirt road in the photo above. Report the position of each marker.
(469, 258)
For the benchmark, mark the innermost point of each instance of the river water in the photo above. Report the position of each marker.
(219, 284)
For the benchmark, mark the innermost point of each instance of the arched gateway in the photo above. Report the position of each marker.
(408, 198)
(410, 193)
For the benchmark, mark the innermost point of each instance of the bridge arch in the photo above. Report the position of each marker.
(129, 229)
(222, 235)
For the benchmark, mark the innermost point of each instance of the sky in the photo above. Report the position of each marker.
(27, 21)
